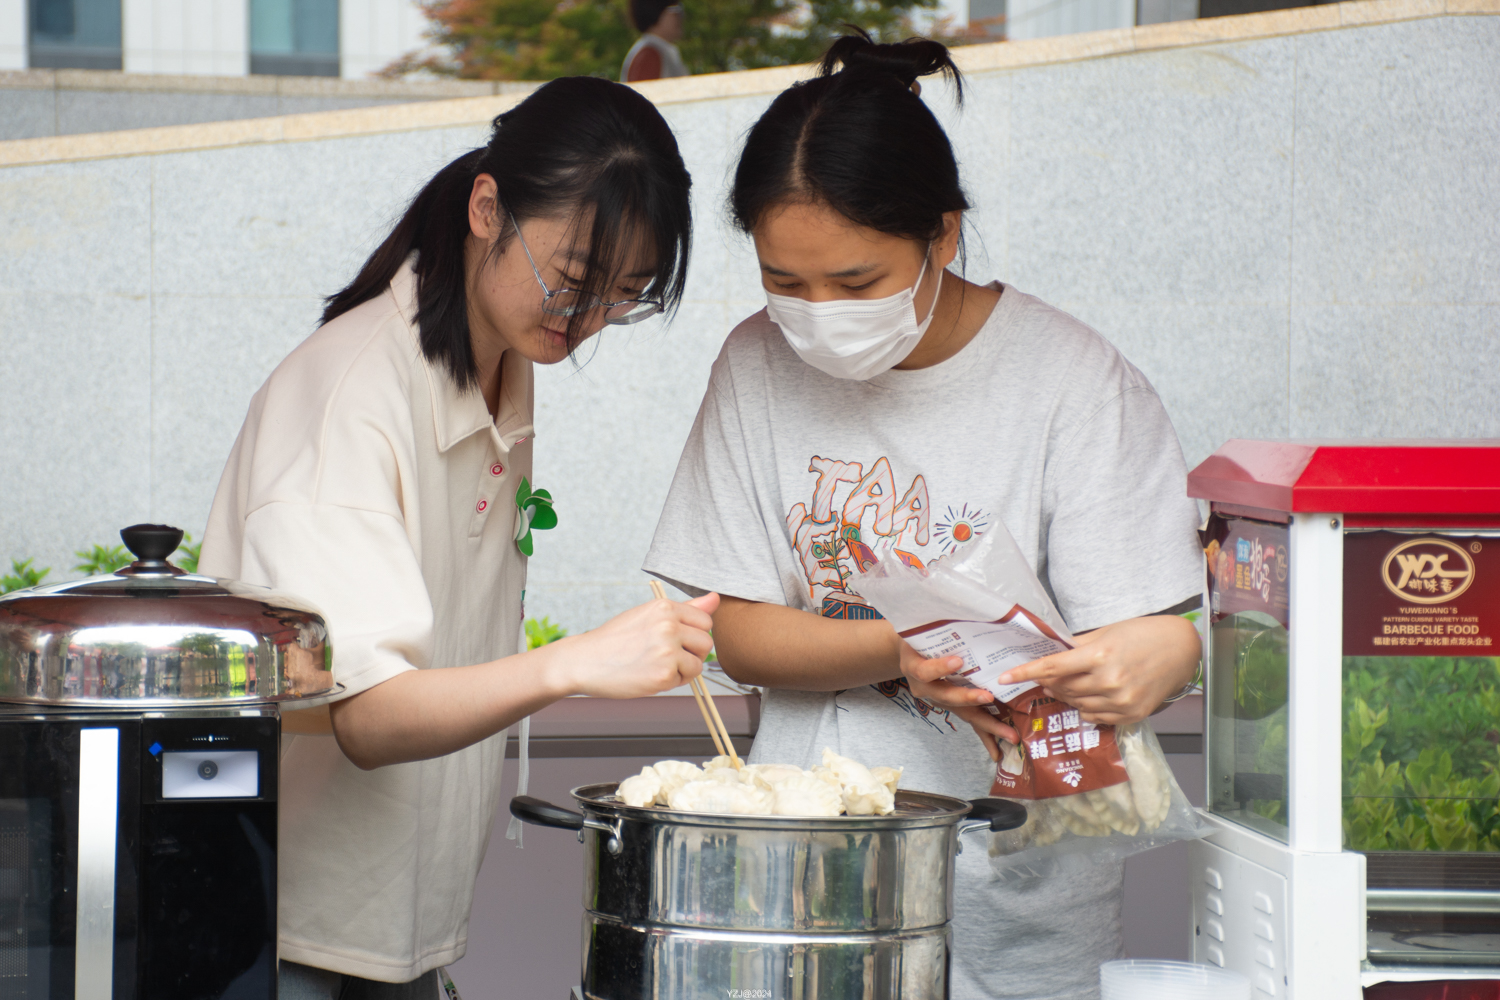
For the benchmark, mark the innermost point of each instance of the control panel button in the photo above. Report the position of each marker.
(208, 774)
(1214, 929)
(1213, 878)
(1214, 902)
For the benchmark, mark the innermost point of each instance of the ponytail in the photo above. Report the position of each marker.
(858, 139)
(906, 61)
(576, 144)
(436, 228)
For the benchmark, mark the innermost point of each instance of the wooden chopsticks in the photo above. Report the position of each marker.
(716, 728)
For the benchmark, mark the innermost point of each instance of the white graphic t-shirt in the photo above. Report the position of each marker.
(790, 475)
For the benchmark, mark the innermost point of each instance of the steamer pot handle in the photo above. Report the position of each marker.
(996, 815)
(529, 809)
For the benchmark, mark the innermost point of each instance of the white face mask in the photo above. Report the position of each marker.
(853, 338)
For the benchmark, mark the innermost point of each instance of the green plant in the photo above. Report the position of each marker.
(1422, 771)
(187, 554)
(99, 560)
(545, 39)
(22, 575)
(540, 631)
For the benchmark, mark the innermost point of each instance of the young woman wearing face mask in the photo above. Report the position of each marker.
(381, 473)
(884, 398)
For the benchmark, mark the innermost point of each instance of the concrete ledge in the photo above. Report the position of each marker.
(278, 86)
(477, 110)
(251, 131)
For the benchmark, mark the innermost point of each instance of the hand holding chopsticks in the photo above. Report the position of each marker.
(716, 728)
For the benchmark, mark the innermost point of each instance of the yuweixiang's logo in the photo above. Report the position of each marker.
(1427, 571)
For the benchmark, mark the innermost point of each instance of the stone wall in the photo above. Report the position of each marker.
(1286, 220)
(50, 102)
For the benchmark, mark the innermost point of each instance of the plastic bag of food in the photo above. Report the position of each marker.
(1094, 793)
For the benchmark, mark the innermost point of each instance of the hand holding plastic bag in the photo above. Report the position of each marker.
(1093, 792)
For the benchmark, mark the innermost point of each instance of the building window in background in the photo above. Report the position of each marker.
(294, 37)
(1159, 11)
(74, 34)
(987, 17)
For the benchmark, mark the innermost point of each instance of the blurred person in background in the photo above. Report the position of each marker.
(654, 55)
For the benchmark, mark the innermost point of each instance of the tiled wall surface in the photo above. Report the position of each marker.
(1292, 236)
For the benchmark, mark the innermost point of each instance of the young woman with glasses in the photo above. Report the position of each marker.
(383, 473)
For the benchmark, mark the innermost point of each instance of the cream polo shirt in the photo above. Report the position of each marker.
(365, 482)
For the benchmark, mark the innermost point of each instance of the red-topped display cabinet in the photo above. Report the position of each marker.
(1353, 714)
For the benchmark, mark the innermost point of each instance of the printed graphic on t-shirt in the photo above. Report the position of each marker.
(856, 510)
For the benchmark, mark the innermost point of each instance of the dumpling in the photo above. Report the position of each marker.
(721, 761)
(640, 790)
(721, 797)
(1011, 761)
(771, 775)
(850, 772)
(890, 777)
(869, 800)
(674, 774)
(806, 795)
(1150, 781)
(827, 774)
(726, 776)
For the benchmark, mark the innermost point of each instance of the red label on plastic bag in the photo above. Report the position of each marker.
(1059, 753)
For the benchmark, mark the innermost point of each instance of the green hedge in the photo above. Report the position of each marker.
(1421, 753)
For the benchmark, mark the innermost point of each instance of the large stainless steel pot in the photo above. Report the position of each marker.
(686, 906)
(151, 634)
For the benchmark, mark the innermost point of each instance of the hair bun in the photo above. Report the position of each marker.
(906, 61)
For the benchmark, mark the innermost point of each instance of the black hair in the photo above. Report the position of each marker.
(645, 13)
(859, 140)
(576, 144)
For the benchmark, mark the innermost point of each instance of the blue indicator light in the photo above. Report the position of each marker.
(155, 749)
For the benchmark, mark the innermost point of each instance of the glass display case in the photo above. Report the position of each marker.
(1246, 725)
(1352, 725)
(1421, 741)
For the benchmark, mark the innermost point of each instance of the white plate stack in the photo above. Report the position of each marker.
(1139, 979)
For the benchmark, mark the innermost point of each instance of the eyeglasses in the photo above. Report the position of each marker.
(571, 301)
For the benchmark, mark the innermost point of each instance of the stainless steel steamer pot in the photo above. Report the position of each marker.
(151, 635)
(139, 777)
(686, 906)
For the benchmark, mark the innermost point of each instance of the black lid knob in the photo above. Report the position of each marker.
(152, 543)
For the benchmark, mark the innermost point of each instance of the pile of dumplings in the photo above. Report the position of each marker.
(837, 787)
(1137, 806)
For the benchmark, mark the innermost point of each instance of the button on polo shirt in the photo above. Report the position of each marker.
(365, 482)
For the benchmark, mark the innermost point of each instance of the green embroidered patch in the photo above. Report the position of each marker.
(536, 515)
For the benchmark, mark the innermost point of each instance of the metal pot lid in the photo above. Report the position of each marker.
(152, 634)
(913, 809)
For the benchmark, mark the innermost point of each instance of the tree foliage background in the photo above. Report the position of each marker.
(544, 39)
